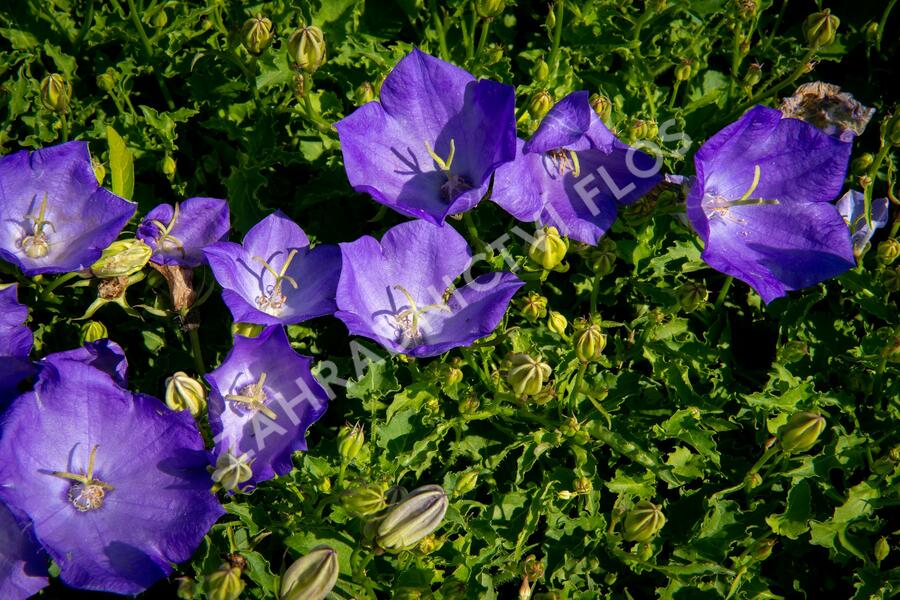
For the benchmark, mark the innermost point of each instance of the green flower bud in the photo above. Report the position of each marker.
(747, 9)
(350, 441)
(430, 543)
(602, 106)
(691, 296)
(185, 393)
(93, 331)
(298, 84)
(488, 9)
(493, 54)
(602, 259)
(168, 166)
(534, 307)
(411, 519)
(753, 75)
(187, 588)
(159, 19)
(583, 485)
(557, 323)
(466, 483)
(311, 577)
(365, 93)
(99, 170)
(395, 494)
(452, 375)
(540, 104)
(793, 351)
(56, 93)
(364, 500)
(589, 342)
(801, 432)
(862, 163)
(224, 583)
(683, 70)
(533, 568)
(231, 471)
(526, 375)
(882, 549)
(107, 81)
(550, 21)
(820, 28)
(256, 34)
(643, 522)
(469, 406)
(762, 549)
(642, 129)
(548, 248)
(306, 47)
(888, 251)
(121, 259)
(541, 70)
(752, 481)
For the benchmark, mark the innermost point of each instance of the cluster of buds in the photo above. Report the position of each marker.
(312, 576)
(527, 375)
(548, 249)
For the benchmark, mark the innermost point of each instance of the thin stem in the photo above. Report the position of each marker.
(595, 292)
(482, 41)
(470, 46)
(557, 38)
(674, 94)
(576, 389)
(720, 299)
(442, 33)
(873, 174)
(766, 92)
(196, 351)
(882, 23)
(86, 23)
(45, 293)
(480, 246)
(65, 127)
(774, 28)
(148, 50)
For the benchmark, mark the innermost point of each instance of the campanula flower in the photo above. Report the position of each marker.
(852, 207)
(762, 203)
(54, 216)
(23, 572)
(15, 343)
(573, 173)
(400, 291)
(262, 400)
(428, 147)
(178, 234)
(274, 277)
(115, 484)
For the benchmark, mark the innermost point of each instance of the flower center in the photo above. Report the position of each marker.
(166, 241)
(37, 244)
(253, 397)
(565, 161)
(231, 471)
(273, 298)
(408, 320)
(86, 493)
(720, 205)
(455, 184)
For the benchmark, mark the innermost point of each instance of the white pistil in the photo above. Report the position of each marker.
(253, 397)
(86, 493)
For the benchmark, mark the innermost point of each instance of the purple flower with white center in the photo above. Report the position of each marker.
(274, 278)
(15, 344)
(761, 202)
(428, 148)
(115, 484)
(178, 234)
(263, 398)
(399, 291)
(573, 173)
(23, 572)
(54, 216)
(852, 207)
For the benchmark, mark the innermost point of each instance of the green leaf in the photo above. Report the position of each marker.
(121, 164)
(795, 520)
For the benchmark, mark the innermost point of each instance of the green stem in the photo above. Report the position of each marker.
(482, 40)
(470, 46)
(720, 299)
(576, 389)
(873, 174)
(674, 94)
(557, 38)
(86, 23)
(196, 351)
(882, 23)
(595, 292)
(771, 90)
(47, 291)
(441, 31)
(65, 127)
(148, 50)
(774, 28)
(480, 246)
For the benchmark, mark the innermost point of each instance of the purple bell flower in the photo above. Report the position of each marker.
(428, 147)
(573, 173)
(54, 216)
(400, 292)
(852, 207)
(23, 572)
(179, 234)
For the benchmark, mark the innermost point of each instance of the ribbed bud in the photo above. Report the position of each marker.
(762, 549)
(93, 331)
(364, 93)
(820, 28)
(411, 519)
(589, 341)
(888, 250)
(168, 166)
(602, 259)
(683, 70)
(548, 248)
(364, 500)
(541, 70)
(691, 296)
(882, 549)
(801, 432)
(256, 34)
(557, 323)
(861, 163)
(643, 522)
(488, 9)
(350, 441)
(753, 75)
(527, 375)
(466, 483)
(183, 392)
(311, 577)
(540, 104)
(56, 93)
(121, 259)
(306, 47)
(224, 583)
(602, 106)
(534, 307)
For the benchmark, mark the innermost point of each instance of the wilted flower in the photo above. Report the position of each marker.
(105, 475)
(762, 203)
(23, 572)
(312, 576)
(56, 217)
(179, 234)
(572, 173)
(824, 105)
(399, 291)
(428, 148)
(262, 399)
(852, 207)
(274, 277)
(411, 519)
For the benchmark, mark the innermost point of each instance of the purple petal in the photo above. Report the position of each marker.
(23, 572)
(852, 207)
(564, 126)
(104, 354)
(273, 234)
(15, 337)
(200, 222)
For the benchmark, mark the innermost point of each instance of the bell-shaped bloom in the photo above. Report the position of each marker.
(54, 216)
(852, 207)
(115, 484)
(23, 572)
(428, 147)
(400, 291)
(104, 354)
(274, 278)
(15, 344)
(263, 398)
(573, 173)
(762, 203)
(179, 234)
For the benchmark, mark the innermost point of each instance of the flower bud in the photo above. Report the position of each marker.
(643, 522)
(107, 81)
(683, 71)
(793, 351)
(231, 471)
(691, 296)
(548, 248)
(159, 19)
(888, 251)
(350, 441)
(99, 170)
(488, 9)
(820, 28)
(602, 106)
(168, 166)
(93, 331)
(533, 568)
(411, 519)
(298, 85)
(469, 405)
(224, 583)
(364, 93)
(602, 259)
(430, 543)
(643, 129)
(311, 577)
(466, 483)
(364, 500)
(861, 163)
(541, 70)
(583, 485)
(753, 75)
(185, 393)
(871, 32)
(557, 323)
(187, 588)
(752, 481)
(451, 375)
(306, 47)
(589, 342)
(801, 432)
(882, 549)
(527, 375)
(550, 21)
(56, 93)
(540, 104)
(256, 34)
(762, 549)
(121, 259)
(534, 307)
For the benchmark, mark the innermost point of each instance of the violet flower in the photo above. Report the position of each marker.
(262, 400)
(761, 202)
(573, 173)
(115, 483)
(54, 216)
(15, 344)
(399, 292)
(104, 354)
(428, 148)
(274, 278)
(23, 572)
(179, 234)
(852, 207)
